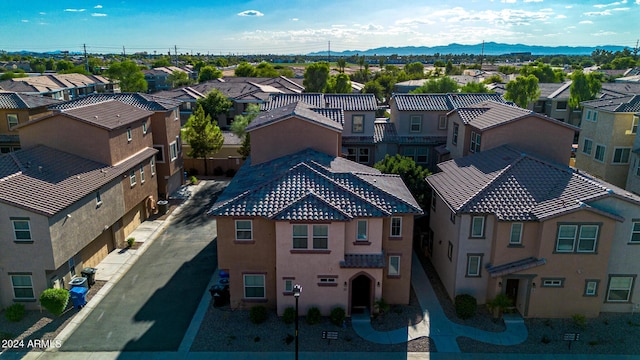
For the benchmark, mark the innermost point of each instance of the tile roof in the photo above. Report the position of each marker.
(51, 82)
(440, 102)
(422, 140)
(466, 100)
(370, 261)
(231, 138)
(625, 104)
(384, 131)
(346, 102)
(515, 266)
(280, 100)
(300, 110)
(357, 140)
(10, 139)
(46, 181)
(310, 185)
(517, 187)
(142, 101)
(13, 100)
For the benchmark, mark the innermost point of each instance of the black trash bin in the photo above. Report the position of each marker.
(220, 295)
(163, 206)
(90, 274)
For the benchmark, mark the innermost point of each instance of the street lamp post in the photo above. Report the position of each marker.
(297, 289)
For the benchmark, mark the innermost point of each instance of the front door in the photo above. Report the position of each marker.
(360, 294)
(512, 290)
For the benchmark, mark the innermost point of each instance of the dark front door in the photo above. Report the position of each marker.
(512, 290)
(361, 293)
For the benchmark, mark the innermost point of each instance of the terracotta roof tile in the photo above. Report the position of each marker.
(302, 111)
(440, 102)
(375, 261)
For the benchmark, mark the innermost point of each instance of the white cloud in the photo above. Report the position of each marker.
(585, 22)
(561, 16)
(295, 19)
(604, 33)
(24, 20)
(600, 6)
(571, 6)
(621, 9)
(598, 13)
(98, 15)
(504, 17)
(250, 13)
(74, 10)
(527, 1)
(508, 1)
(98, 7)
(42, 13)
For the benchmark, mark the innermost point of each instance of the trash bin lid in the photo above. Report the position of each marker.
(163, 202)
(89, 270)
(78, 291)
(77, 281)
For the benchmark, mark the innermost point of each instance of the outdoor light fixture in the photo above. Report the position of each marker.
(499, 283)
(378, 283)
(533, 285)
(297, 290)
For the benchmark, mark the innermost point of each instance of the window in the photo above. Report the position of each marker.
(358, 154)
(288, 285)
(620, 288)
(72, 267)
(129, 136)
(176, 114)
(600, 150)
(244, 230)
(587, 145)
(442, 122)
(474, 261)
(584, 236)
(327, 281)
(254, 286)
(591, 287)
(595, 116)
(21, 229)
(141, 174)
(12, 120)
(357, 125)
(396, 227)
(419, 154)
(22, 287)
(621, 155)
(160, 153)
(516, 234)
(362, 230)
(562, 105)
(173, 149)
(635, 231)
(475, 142)
(320, 236)
(144, 127)
(178, 144)
(477, 227)
(552, 282)
(132, 177)
(634, 125)
(450, 251)
(300, 236)
(152, 165)
(416, 124)
(98, 198)
(588, 117)
(394, 265)
(454, 137)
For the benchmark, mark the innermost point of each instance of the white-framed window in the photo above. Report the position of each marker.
(454, 137)
(552, 282)
(21, 229)
(129, 134)
(144, 127)
(634, 124)
(515, 237)
(98, 198)
(635, 231)
(416, 124)
(621, 155)
(588, 115)
(173, 150)
(254, 287)
(178, 144)
(152, 165)
(288, 285)
(141, 174)
(160, 153)
(442, 122)
(475, 142)
(587, 146)
(244, 230)
(620, 288)
(474, 263)
(320, 237)
(22, 286)
(595, 116)
(394, 265)
(477, 227)
(361, 230)
(12, 120)
(176, 114)
(357, 123)
(327, 281)
(132, 177)
(600, 151)
(396, 226)
(300, 236)
(591, 287)
(577, 238)
(561, 105)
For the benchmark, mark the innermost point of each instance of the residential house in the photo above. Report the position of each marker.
(16, 109)
(163, 128)
(555, 240)
(84, 179)
(298, 213)
(61, 86)
(157, 78)
(633, 177)
(608, 131)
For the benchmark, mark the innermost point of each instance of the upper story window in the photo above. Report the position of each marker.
(562, 105)
(416, 124)
(475, 142)
(477, 227)
(98, 198)
(144, 127)
(634, 124)
(362, 230)
(173, 150)
(595, 116)
(21, 229)
(581, 238)
(621, 155)
(474, 264)
(357, 125)
(635, 231)
(587, 146)
(129, 135)
(132, 177)
(152, 165)
(394, 265)
(516, 234)
(12, 120)
(588, 115)
(160, 153)
(141, 174)
(320, 236)
(600, 151)
(396, 227)
(442, 122)
(244, 230)
(454, 137)
(300, 236)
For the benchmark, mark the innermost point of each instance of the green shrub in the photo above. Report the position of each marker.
(499, 304)
(380, 306)
(258, 314)
(337, 316)
(579, 320)
(466, 306)
(15, 312)
(193, 179)
(313, 316)
(55, 300)
(131, 241)
(289, 315)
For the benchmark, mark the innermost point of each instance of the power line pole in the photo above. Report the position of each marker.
(329, 53)
(86, 59)
(124, 53)
(175, 53)
(482, 55)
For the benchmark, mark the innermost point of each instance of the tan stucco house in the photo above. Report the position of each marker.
(16, 109)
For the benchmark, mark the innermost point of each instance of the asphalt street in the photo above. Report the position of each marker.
(151, 307)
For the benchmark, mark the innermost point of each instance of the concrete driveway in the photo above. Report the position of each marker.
(151, 307)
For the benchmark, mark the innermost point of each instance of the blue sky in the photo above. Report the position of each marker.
(299, 27)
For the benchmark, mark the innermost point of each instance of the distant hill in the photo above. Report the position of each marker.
(490, 48)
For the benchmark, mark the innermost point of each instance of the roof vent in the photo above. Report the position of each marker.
(118, 115)
(95, 116)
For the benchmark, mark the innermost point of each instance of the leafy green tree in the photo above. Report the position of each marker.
(221, 62)
(264, 69)
(63, 65)
(342, 64)
(412, 174)
(209, 73)
(495, 78)
(414, 70)
(239, 127)
(544, 72)
(245, 69)
(203, 135)
(522, 90)
(77, 69)
(284, 71)
(444, 84)
(474, 87)
(129, 75)
(339, 84)
(507, 69)
(316, 76)
(583, 87)
(8, 75)
(215, 103)
(50, 64)
(621, 63)
(162, 62)
(179, 78)
(374, 87)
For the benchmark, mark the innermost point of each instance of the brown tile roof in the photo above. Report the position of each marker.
(440, 102)
(371, 261)
(515, 266)
(46, 181)
(300, 110)
(346, 102)
(142, 101)
(624, 104)
(13, 100)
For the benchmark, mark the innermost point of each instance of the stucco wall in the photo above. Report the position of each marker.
(396, 289)
(444, 231)
(369, 120)
(475, 286)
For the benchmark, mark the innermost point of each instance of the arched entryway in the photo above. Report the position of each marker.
(361, 293)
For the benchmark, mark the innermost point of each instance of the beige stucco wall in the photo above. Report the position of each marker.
(165, 127)
(633, 176)
(369, 119)
(397, 289)
(429, 127)
(457, 150)
(444, 231)
(374, 237)
(475, 286)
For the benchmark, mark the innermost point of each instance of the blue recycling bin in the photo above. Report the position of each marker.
(78, 297)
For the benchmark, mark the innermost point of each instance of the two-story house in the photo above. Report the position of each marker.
(608, 130)
(298, 213)
(16, 109)
(61, 86)
(633, 177)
